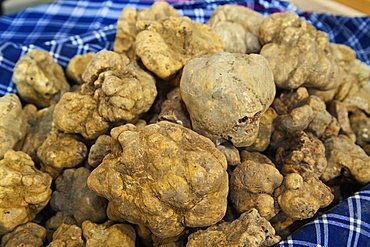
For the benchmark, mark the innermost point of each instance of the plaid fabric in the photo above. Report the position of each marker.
(69, 27)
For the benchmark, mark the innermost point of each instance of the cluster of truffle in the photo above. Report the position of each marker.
(221, 134)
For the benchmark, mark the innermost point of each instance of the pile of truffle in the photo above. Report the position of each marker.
(224, 134)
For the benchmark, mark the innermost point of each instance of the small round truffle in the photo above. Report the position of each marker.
(226, 94)
(39, 79)
(61, 151)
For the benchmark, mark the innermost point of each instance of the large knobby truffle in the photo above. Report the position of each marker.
(165, 46)
(250, 229)
(24, 191)
(226, 94)
(163, 176)
(13, 123)
(305, 52)
(39, 79)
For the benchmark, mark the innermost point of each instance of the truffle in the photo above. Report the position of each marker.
(300, 198)
(67, 236)
(27, 235)
(250, 230)
(13, 124)
(226, 94)
(166, 45)
(25, 191)
(252, 185)
(112, 235)
(163, 176)
(342, 153)
(77, 66)
(76, 113)
(238, 27)
(39, 79)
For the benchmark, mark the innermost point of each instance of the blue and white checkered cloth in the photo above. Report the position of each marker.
(69, 27)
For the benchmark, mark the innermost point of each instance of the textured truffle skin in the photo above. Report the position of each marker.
(25, 191)
(226, 94)
(250, 230)
(13, 123)
(165, 46)
(238, 27)
(67, 236)
(341, 153)
(78, 114)
(174, 110)
(113, 235)
(73, 197)
(103, 61)
(231, 153)
(41, 124)
(300, 111)
(306, 52)
(303, 154)
(351, 86)
(99, 150)
(163, 176)
(39, 79)
(265, 131)
(27, 235)
(252, 185)
(77, 66)
(300, 198)
(61, 151)
(124, 94)
(126, 25)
